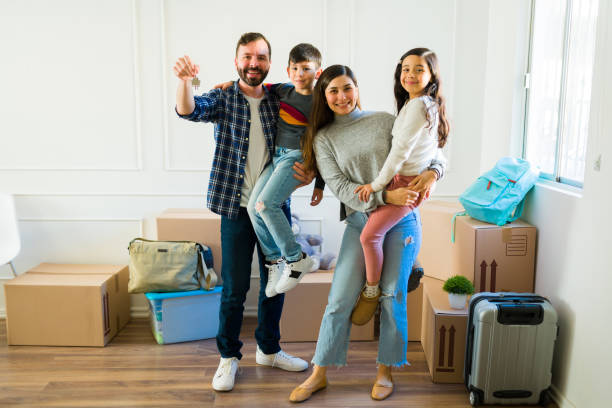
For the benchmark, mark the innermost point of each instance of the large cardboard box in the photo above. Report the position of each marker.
(304, 308)
(494, 258)
(192, 224)
(443, 334)
(67, 305)
(414, 308)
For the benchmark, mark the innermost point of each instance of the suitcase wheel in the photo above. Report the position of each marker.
(475, 398)
(545, 398)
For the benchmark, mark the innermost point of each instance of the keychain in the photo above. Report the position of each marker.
(195, 82)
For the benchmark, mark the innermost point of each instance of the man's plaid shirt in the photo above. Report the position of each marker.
(230, 112)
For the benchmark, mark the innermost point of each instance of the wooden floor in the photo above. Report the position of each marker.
(134, 371)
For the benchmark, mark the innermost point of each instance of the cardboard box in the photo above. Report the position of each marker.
(184, 316)
(494, 258)
(443, 334)
(414, 309)
(67, 305)
(192, 224)
(304, 308)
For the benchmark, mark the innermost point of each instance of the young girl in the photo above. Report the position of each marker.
(421, 128)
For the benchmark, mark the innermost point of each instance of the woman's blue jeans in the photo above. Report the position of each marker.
(273, 187)
(400, 248)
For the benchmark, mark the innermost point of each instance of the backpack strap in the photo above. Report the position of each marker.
(208, 277)
(460, 213)
(518, 211)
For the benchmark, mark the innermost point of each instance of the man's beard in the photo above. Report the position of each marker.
(252, 82)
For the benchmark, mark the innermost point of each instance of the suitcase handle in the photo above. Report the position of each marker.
(527, 314)
(516, 300)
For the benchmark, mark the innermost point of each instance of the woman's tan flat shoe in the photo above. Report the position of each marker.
(381, 392)
(301, 393)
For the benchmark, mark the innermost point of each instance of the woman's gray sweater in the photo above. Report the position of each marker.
(350, 151)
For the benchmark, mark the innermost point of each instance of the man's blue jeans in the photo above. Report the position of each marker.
(400, 247)
(238, 240)
(273, 187)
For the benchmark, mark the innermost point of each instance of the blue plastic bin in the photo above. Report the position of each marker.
(184, 316)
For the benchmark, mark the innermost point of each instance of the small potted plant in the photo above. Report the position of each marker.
(458, 288)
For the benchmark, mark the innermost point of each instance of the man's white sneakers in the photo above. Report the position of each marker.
(275, 271)
(225, 375)
(281, 360)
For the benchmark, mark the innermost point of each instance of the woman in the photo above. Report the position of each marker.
(349, 147)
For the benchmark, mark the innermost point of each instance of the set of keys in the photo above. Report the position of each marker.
(195, 82)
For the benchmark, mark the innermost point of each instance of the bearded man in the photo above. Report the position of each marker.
(245, 117)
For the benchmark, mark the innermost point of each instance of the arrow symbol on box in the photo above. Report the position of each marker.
(451, 345)
(493, 273)
(442, 345)
(483, 276)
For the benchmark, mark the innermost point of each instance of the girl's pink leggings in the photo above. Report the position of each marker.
(380, 221)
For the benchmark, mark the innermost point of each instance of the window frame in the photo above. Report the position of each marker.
(555, 177)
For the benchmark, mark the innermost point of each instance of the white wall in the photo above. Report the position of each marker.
(573, 266)
(90, 145)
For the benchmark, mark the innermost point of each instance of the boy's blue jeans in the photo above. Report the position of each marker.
(273, 187)
(237, 243)
(400, 247)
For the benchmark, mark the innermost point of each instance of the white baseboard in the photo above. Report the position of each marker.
(143, 311)
(139, 311)
(250, 311)
(560, 399)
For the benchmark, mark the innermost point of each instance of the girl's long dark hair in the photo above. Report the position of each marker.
(321, 115)
(433, 89)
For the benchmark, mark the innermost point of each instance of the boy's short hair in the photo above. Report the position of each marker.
(250, 37)
(305, 52)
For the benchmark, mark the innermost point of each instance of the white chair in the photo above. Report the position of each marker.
(10, 244)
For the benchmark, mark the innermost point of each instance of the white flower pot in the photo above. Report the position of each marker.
(457, 301)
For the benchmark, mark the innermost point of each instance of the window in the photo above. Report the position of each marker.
(558, 84)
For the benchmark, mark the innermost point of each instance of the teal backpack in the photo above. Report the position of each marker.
(498, 196)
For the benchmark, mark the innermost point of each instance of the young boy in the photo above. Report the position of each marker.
(288, 264)
(285, 260)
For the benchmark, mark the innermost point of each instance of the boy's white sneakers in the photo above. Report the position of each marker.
(293, 272)
(275, 271)
(225, 375)
(280, 360)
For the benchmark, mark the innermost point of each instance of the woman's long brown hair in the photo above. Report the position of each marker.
(321, 115)
(433, 89)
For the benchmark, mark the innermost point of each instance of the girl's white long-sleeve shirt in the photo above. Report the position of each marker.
(414, 144)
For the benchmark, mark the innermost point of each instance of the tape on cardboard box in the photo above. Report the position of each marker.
(506, 234)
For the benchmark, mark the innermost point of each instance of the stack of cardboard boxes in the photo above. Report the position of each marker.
(494, 258)
(194, 315)
(87, 305)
